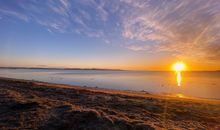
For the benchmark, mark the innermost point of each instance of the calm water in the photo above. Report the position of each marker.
(195, 84)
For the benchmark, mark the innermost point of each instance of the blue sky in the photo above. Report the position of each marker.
(124, 34)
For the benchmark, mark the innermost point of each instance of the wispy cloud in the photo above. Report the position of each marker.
(62, 15)
(136, 3)
(138, 47)
(186, 28)
(65, 3)
(99, 7)
(13, 13)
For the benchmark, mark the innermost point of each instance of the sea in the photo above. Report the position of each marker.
(193, 84)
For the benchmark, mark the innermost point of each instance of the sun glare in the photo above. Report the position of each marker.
(179, 66)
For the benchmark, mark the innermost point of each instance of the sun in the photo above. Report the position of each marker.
(179, 66)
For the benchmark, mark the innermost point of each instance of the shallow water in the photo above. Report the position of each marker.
(194, 84)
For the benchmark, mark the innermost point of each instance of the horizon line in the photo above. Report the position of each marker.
(93, 68)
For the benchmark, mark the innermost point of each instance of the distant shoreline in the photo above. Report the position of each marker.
(42, 68)
(45, 68)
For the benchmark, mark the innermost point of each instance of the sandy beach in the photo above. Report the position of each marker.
(44, 106)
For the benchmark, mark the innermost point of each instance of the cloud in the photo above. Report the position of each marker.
(13, 13)
(136, 3)
(138, 47)
(185, 28)
(107, 41)
(86, 17)
(102, 12)
(98, 6)
(49, 30)
(65, 3)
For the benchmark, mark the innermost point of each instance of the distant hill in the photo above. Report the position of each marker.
(60, 68)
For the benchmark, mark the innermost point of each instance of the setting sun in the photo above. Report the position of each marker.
(179, 66)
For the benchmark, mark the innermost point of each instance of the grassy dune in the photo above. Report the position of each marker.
(44, 106)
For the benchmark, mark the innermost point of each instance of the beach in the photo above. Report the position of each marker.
(26, 104)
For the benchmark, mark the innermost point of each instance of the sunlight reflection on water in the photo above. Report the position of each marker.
(178, 78)
(195, 84)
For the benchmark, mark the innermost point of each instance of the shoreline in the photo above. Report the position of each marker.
(27, 104)
(141, 93)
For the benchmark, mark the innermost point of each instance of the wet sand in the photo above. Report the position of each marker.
(44, 106)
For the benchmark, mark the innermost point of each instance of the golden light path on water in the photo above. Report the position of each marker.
(178, 78)
(178, 67)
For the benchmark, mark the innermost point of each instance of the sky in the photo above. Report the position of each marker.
(114, 34)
